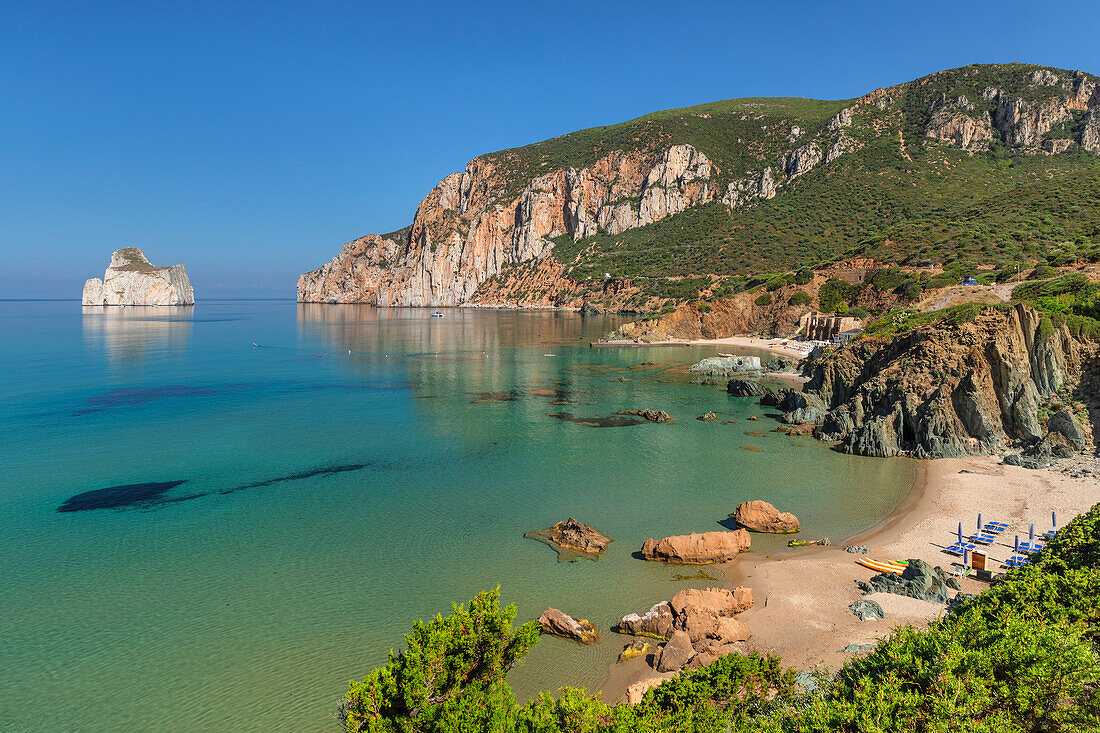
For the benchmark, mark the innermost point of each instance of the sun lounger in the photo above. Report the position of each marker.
(1030, 547)
(959, 547)
(1016, 561)
(1049, 534)
(982, 539)
(994, 528)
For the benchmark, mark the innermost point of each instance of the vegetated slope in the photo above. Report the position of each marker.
(1021, 656)
(982, 164)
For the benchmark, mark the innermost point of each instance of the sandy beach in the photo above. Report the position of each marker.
(801, 597)
(770, 345)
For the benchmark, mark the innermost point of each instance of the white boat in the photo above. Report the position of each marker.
(437, 314)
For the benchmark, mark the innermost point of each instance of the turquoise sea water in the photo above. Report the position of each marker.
(356, 470)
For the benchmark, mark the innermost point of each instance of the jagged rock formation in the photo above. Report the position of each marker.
(131, 280)
(572, 538)
(946, 391)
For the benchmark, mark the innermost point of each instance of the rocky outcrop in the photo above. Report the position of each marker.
(697, 549)
(555, 622)
(571, 538)
(131, 280)
(1064, 423)
(947, 390)
(695, 622)
(469, 227)
(636, 692)
(726, 366)
(919, 580)
(745, 388)
(708, 416)
(760, 516)
(956, 121)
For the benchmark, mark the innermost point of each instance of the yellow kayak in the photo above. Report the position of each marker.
(882, 567)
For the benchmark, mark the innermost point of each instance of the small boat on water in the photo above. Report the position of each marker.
(437, 314)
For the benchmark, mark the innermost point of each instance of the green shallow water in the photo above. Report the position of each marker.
(357, 470)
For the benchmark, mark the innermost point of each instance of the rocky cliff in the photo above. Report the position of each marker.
(952, 390)
(542, 225)
(131, 280)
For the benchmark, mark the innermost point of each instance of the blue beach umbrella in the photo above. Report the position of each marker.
(1031, 532)
(1016, 547)
(1054, 519)
(979, 521)
(966, 558)
(960, 532)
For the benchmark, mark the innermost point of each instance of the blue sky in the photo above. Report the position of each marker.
(250, 140)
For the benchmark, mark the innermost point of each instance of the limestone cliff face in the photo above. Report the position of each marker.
(469, 227)
(959, 390)
(131, 280)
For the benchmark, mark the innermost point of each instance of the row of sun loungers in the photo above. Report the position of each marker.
(990, 532)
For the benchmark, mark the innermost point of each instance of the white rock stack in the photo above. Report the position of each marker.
(131, 280)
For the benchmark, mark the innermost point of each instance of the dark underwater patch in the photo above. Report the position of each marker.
(130, 396)
(344, 468)
(481, 397)
(610, 421)
(127, 496)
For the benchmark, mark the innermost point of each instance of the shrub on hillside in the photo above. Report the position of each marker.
(763, 299)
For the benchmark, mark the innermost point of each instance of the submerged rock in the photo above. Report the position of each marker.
(650, 415)
(571, 538)
(760, 516)
(553, 621)
(697, 549)
(131, 280)
(635, 648)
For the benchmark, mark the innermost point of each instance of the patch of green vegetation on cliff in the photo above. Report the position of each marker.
(904, 320)
(1022, 656)
(1070, 300)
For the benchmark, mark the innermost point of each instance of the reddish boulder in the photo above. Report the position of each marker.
(697, 549)
(675, 653)
(553, 621)
(571, 537)
(760, 516)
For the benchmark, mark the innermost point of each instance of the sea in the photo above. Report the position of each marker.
(212, 518)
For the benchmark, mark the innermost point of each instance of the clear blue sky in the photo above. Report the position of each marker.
(250, 140)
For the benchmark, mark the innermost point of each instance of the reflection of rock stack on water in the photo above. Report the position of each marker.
(130, 334)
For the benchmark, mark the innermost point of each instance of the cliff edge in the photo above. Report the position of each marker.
(131, 280)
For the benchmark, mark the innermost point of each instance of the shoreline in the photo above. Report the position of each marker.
(802, 595)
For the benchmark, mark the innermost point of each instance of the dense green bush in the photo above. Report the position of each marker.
(800, 297)
(763, 299)
(835, 291)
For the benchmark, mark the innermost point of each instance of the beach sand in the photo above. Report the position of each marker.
(801, 596)
(753, 343)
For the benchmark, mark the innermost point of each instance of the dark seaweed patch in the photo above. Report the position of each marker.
(127, 496)
(301, 475)
(510, 396)
(610, 421)
(129, 396)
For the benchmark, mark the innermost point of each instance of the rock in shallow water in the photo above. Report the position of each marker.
(558, 623)
(760, 516)
(650, 415)
(696, 548)
(571, 538)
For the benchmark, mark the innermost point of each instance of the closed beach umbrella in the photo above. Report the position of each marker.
(1017, 545)
(1031, 532)
(966, 558)
(1054, 519)
(960, 532)
(979, 520)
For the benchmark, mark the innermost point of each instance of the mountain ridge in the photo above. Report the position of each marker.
(664, 196)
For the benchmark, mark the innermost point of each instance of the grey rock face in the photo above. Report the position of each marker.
(801, 407)
(1065, 424)
(866, 610)
(131, 280)
(726, 366)
(745, 388)
(802, 160)
(919, 580)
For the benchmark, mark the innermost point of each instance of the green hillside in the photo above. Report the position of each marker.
(901, 198)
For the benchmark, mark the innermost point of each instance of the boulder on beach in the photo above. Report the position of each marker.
(651, 415)
(675, 653)
(656, 622)
(697, 548)
(707, 614)
(1064, 423)
(571, 539)
(919, 580)
(558, 623)
(760, 516)
(867, 610)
